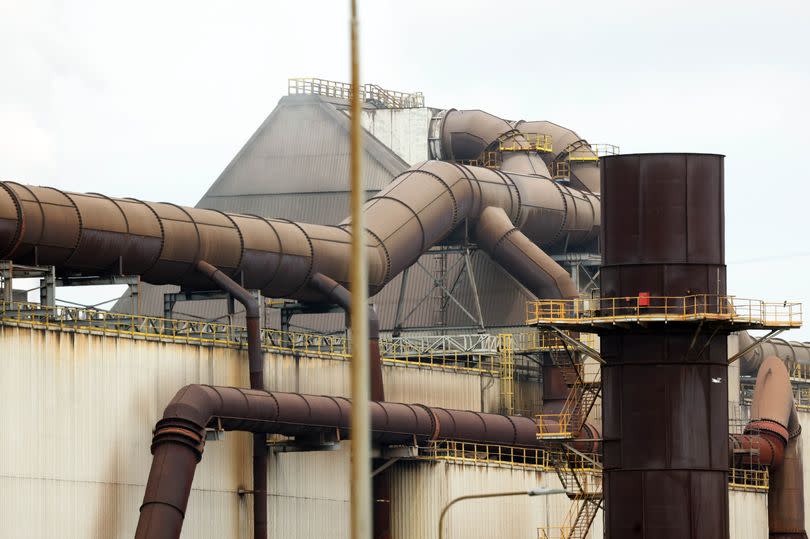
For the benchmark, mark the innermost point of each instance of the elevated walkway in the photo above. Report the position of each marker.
(602, 314)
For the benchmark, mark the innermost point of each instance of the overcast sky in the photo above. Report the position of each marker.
(153, 99)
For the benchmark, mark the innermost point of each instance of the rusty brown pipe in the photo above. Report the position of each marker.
(774, 431)
(791, 352)
(179, 438)
(465, 134)
(339, 295)
(256, 368)
(88, 234)
(510, 248)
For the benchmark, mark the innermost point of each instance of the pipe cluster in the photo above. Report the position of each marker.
(179, 438)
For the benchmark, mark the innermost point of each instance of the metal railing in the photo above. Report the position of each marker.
(466, 353)
(666, 308)
(486, 454)
(477, 353)
(560, 170)
(748, 479)
(591, 152)
(370, 93)
(470, 352)
(532, 142)
(488, 159)
(166, 329)
(800, 372)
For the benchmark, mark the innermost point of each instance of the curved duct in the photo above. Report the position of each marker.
(791, 352)
(510, 248)
(179, 439)
(94, 234)
(466, 134)
(773, 438)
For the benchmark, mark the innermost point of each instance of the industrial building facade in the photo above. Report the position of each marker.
(84, 390)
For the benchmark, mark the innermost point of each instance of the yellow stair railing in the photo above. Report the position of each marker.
(582, 396)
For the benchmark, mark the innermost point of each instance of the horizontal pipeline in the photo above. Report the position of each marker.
(179, 439)
(92, 234)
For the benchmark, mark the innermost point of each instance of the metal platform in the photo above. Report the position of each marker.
(725, 313)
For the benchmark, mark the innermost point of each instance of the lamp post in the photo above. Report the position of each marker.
(540, 491)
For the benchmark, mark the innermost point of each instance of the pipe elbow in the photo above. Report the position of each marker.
(230, 286)
(519, 256)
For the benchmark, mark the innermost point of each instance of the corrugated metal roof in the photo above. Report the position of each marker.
(303, 146)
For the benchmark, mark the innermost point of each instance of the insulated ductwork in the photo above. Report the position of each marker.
(459, 135)
(179, 437)
(510, 248)
(94, 234)
(773, 438)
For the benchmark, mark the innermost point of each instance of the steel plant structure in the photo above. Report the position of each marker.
(558, 310)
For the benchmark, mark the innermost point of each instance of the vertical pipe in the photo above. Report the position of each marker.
(256, 368)
(360, 416)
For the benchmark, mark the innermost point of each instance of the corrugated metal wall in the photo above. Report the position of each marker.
(421, 490)
(78, 416)
(79, 410)
(748, 515)
(405, 131)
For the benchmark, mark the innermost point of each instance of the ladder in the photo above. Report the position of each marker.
(583, 480)
(506, 371)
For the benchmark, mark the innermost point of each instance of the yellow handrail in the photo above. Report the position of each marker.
(666, 308)
(748, 479)
(521, 142)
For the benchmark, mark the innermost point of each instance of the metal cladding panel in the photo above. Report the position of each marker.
(663, 209)
(665, 431)
(804, 421)
(303, 147)
(419, 491)
(682, 504)
(403, 130)
(308, 494)
(665, 408)
(97, 400)
(748, 514)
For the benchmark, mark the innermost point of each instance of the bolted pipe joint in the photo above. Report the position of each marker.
(180, 432)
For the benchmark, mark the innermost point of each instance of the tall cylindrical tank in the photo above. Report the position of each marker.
(665, 384)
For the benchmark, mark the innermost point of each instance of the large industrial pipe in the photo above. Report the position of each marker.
(459, 135)
(179, 437)
(773, 438)
(256, 368)
(94, 234)
(509, 247)
(791, 352)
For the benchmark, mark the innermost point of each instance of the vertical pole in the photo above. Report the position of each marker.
(7, 274)
(402, 286)
(360, 420)
(471, 278)
(47, 290)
